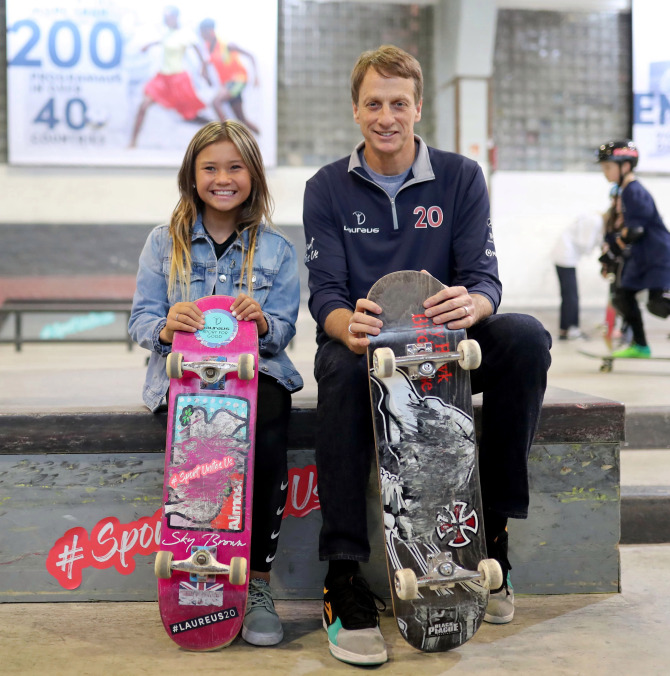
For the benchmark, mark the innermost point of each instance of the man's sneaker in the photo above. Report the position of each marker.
(351, 618)
(634, 351)
(261, 623)
(500, 608)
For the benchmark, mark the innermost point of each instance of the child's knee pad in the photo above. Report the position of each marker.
(660, 305)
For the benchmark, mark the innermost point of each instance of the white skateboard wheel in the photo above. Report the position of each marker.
(246, 366)
(383, 362)
(173, 365)
(238, 570)
(491, 572)
(405, 584)
(163, 565)
(471, 354)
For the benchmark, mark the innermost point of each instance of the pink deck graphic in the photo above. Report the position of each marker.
(207, 493)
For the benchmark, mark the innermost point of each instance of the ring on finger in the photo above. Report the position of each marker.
(177, 317)
(350, 331)
(467, 311)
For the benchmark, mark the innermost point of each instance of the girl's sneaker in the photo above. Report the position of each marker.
(261, 623)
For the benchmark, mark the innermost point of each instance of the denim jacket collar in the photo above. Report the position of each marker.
(198, 231)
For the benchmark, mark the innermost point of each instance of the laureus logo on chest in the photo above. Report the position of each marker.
(359, 229)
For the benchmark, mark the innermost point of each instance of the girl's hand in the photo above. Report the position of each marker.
(182, 317)
(246, 309)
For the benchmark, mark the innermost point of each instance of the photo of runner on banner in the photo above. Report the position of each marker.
(118, 83)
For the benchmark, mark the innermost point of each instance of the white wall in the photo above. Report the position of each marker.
(118, 196)
(529, 211)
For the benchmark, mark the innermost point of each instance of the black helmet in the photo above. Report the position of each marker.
(619, 151)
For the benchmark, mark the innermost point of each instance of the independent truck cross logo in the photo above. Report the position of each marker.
(457, 521)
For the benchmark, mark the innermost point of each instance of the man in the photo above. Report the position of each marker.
(397, 204)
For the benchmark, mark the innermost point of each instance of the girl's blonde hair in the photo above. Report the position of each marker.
(256, 209)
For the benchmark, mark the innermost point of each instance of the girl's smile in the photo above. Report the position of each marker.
(223, 183)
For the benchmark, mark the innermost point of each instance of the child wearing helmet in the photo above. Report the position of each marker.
(643, 242)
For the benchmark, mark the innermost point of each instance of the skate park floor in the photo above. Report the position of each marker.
(575, 634)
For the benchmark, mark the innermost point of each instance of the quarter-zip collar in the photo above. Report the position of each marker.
(422, 170)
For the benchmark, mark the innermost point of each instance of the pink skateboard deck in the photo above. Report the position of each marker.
(207, 494)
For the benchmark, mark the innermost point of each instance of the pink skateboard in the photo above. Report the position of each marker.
(209, 465)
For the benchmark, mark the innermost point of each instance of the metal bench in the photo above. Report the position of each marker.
(20, 307)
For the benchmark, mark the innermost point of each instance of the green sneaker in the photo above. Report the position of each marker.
(261, 622)
(634, 351)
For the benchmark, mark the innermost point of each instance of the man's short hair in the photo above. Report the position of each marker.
(388, 61)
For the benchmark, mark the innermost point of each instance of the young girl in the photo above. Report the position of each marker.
(220, 241)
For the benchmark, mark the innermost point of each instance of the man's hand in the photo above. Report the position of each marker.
(456, 308)
(352, 328)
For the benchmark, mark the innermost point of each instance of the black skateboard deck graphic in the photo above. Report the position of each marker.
(427, 462)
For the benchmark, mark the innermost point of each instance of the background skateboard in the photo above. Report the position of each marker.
(427, 462)
(207, 493)
(608, 360)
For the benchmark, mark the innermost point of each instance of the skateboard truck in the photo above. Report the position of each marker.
(444, 572)
(210, 371)
(422, 362)
(201, 564)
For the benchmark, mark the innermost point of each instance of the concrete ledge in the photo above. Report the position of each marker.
(567, 417)
(81, 491)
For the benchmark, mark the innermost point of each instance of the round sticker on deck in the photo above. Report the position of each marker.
(220, 328)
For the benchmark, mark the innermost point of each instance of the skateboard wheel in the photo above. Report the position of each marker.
(406, 585)
(238, 570)
(163, 565)
(471, 354)
(173, 365)
(383, 362)
(245, 366)
(491, 572)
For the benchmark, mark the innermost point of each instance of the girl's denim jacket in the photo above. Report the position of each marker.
(276, 287)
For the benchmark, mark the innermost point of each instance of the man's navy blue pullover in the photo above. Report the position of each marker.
(439, 221)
